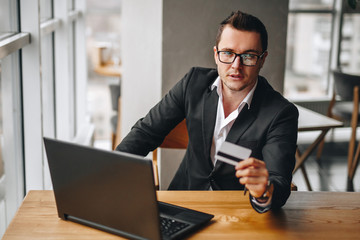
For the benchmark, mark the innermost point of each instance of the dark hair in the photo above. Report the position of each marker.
(245, 22)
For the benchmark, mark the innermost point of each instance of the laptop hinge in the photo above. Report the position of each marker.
(102, 227)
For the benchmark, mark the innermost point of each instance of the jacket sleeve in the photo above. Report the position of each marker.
(149, 132)
(279, 153)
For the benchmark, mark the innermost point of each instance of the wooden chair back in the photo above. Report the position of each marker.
(345, 84)
(347, 89)
(178, 138)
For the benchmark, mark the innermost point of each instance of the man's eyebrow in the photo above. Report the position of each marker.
(246, 51)
(227, 49)
(252, 51)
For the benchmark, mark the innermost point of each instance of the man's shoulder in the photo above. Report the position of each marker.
(204, 72)
(201, 77)
(268, 96)
(265, 90)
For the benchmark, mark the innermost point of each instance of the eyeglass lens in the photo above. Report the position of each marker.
(246, 59)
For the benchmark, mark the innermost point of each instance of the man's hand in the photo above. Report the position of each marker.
(253, 174)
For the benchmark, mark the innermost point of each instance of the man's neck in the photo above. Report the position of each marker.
(232, 99)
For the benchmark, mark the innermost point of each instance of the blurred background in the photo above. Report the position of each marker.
(86, 70)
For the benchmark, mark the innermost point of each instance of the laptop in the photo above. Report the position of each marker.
(114, 192)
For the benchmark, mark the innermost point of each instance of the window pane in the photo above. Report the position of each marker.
(72, 69)
(45, 10)
(1, 135)
(47, 78)
(308, 55)
(48, 96)
(71, 5)
(8, 15)
(350, 44)
(108, 5)
(2, 170)
(311, 4)
(11, 158)
(11, 169)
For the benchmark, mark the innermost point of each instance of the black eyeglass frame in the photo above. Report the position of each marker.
(241, 59)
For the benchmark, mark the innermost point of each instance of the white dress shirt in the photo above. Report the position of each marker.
(222, 124)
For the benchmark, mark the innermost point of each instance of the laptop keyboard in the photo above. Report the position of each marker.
(170, 226)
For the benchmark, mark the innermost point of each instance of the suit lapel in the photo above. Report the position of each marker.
(241, 124)
(246, 117)
(244, 120)
(211, 99)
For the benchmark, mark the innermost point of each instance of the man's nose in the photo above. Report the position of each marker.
(236, 63)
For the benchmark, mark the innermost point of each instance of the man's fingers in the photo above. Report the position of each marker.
(253, 180)
(251, 172)
(250, 162)
(255, 185)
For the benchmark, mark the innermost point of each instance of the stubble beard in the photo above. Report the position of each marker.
(235, 89)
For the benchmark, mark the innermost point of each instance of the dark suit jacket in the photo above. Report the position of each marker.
(269, 128)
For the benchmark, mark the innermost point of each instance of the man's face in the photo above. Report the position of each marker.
(235, 76)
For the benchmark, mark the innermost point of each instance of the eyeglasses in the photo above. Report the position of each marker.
(246, 59)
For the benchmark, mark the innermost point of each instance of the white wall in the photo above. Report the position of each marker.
(141, 59)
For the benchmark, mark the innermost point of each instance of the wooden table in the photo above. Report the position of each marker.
(108, 69)
(307, 215)
(312, 121)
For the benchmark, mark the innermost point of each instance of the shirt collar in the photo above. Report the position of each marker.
(247, 99)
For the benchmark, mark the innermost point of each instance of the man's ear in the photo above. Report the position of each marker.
(263, 59)
(215, 55)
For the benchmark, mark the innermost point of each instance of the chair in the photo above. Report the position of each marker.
(178, 138)
(347, 89)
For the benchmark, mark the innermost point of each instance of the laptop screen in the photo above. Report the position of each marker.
(113, 190)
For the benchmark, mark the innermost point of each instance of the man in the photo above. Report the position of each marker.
(231, 103)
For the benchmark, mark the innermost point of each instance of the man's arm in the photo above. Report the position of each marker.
(149, 132)
(273, 175)
(252, 173)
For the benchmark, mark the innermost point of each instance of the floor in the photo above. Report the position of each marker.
(330, 172)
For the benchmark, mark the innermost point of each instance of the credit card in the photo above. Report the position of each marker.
(231, 153)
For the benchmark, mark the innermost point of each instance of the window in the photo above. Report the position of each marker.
(317, 5)
(11, 154)
(350, 44)
(309, 47)
(46, 10)
(48, 26)
(11, 185)
(322, 35)
(38, 88)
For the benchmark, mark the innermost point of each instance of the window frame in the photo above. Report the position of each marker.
(11, 142)
(66, 81)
